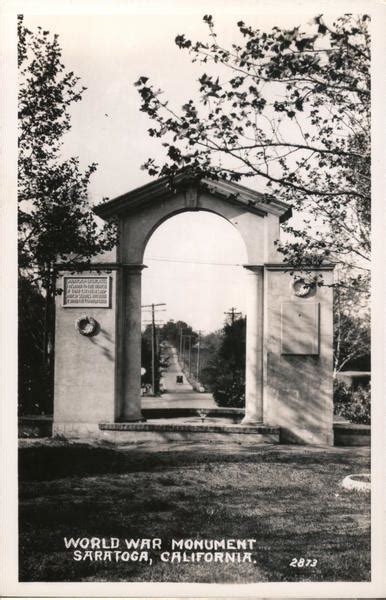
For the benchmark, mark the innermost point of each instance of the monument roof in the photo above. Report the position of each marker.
(252, 200)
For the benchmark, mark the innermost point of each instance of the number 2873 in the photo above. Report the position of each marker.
(303, 562)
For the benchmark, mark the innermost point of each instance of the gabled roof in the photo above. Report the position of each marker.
(253, 201)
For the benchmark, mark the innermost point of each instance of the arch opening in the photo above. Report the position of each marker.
(205, 217)
(196, 281)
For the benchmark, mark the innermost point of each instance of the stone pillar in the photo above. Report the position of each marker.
(254, 347)
(129, 352)
(299, 345)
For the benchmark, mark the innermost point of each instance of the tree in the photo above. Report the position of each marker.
(55, 221)
(289, 108)
(172, 331)
(351, 328)
(225, 373)
(33, 383)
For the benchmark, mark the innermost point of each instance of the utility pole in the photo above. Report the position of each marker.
(233, 314)
(190, 355)
(154, 382)
(187, 350)
(198, 357)
(181, 349)
(153, 352)
(181, 336)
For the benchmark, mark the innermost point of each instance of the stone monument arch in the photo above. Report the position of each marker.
(289, 325)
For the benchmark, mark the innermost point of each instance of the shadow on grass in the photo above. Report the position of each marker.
(52, 462)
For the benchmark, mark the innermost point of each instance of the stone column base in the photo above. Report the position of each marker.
(248, 421)
(139, 419)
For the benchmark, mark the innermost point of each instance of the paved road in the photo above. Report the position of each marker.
(178, 395)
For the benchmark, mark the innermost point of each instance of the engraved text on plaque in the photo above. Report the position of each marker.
(86, 291)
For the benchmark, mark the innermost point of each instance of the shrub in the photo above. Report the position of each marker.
(229, 389)
(353, 405)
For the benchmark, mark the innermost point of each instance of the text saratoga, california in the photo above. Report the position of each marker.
(144, 550)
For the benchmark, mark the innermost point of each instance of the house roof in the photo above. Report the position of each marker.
(255, 202)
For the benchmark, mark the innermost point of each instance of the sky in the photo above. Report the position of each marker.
(195, 290)
(109, 52)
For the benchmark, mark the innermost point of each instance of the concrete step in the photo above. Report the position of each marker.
(234, 415)
(192, 432)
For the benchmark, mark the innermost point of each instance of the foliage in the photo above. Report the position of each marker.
(212, 341)
(146, 358)
(209, 348)
(55, 220)
(351, 327)
(34, 396)
(225, 373)
(289, 108)
(353, 405)
(171, 332)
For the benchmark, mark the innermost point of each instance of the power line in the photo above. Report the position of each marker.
(150, 321)
(195, 262)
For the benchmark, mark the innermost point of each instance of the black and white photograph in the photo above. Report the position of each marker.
(193, 340)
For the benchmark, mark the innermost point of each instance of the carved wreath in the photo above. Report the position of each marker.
(301, 288)
(86, 325)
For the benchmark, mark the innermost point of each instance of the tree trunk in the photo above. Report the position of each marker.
(49, 343)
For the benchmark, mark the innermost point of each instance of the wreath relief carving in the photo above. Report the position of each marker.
(86, 325)
(302, 288)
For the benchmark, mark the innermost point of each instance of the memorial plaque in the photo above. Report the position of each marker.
(86, 291)
(300, 328)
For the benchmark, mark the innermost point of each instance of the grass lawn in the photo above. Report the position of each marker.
(286, 497)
